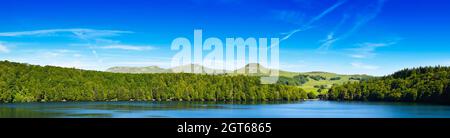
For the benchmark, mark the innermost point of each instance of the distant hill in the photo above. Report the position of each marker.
(156, 69)
(191, 68)
(149, 69)
(316, 81)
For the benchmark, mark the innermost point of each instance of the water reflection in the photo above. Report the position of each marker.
(281, 109)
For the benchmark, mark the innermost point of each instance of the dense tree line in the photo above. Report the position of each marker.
(293, 81)
(424, 84)
(335, 78)
(318, 77)
(359, 78)
(31, 83)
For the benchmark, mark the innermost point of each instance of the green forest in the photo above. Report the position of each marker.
(423, 84)
(31, 83)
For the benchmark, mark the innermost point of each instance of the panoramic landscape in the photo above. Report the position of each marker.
(224, 59)
(68, 92)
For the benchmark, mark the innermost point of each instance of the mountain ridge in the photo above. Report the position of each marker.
(245, 69)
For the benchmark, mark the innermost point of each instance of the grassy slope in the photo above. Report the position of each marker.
(309, 86)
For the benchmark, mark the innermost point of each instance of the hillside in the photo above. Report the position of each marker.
(317, 82)
(31, 83)
(156, 69)
(423, 84)
(149, 69)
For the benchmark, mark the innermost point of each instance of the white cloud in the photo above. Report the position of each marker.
(81, 33)
(331, 38)
(328, 42)
(372, 11)
(289, 34)
(295, 66)
(128, 47)
(368, 12)
(57, 57)
(4, 48)
(310, 23)
(362, 20)
(51, 54)
(366, 50)
(77, 55)
(326, 11)
(360, 65)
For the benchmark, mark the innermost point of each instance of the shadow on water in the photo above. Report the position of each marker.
(7, 112)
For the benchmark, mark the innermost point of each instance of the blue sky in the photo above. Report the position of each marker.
(375, 37)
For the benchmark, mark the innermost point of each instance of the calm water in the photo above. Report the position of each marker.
(304, 109)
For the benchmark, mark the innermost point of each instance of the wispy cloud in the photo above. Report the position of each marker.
(295, 66)
(360, 65)
(81, 33)
(310, 23)
(366, 50)
(328, 42)
(326, 11)
(77, 59)
(363, 19)
(128, 47)
(56, 57)
(374, 10)
(331, 39)
(371, 11)
(289, 34)
(51, 54)
(3, 48)
(90, 38)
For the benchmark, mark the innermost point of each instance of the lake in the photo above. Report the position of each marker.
(300, 109)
